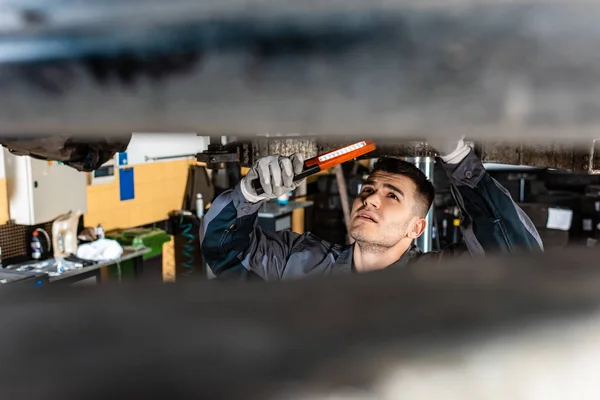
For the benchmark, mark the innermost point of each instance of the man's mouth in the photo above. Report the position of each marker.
(366, 216)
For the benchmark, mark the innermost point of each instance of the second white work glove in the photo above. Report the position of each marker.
(451, 151)
(276, 175)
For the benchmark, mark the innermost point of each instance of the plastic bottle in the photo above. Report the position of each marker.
(36, 246)
(99, 232)
(199, 205)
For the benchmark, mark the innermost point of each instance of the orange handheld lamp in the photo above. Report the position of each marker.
(327, 160)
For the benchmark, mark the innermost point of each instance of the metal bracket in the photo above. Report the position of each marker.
(218, 155)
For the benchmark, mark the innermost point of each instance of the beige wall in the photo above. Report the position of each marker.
(159, 188)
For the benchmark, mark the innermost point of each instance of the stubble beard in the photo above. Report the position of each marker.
(376, 245)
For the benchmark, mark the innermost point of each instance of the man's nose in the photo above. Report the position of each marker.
(372, 200)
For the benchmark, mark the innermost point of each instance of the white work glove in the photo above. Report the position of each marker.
(451, 151)
(276, 174)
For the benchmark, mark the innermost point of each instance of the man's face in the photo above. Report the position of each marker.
(384, 212)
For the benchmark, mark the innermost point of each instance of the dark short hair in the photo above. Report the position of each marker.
(425, 190)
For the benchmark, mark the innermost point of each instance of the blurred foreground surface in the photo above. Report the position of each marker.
(498, 329)
(517, 71)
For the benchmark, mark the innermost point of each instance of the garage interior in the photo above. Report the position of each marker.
(122, 122)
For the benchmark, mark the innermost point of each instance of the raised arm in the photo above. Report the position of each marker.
(234, 247)
(491, 221)
(232, 243)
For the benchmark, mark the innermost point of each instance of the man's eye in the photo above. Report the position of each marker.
(367, 190)
(393, 196)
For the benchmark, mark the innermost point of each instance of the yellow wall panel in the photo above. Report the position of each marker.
(122, 217)
(159, 188)
(170, 168)
(160, 215)
(93, 189)
(142, 174)
(94, 203)
(94, 219)
(112, 198)
(177, 195)
(104, 197)
(174, 168)
(180, 176)
(147, 212)
(155, 211)
(159, 191)
(174, 203)
(179, 185)
(182, 167)
(136, 216)
(165, 207)
(159, 172)
(4, 215)
(144, 191)
(170, 187)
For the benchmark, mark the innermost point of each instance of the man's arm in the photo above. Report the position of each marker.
(234, 247)
(492, 221)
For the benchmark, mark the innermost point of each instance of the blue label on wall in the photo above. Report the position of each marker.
(126, 184)
(123, 159)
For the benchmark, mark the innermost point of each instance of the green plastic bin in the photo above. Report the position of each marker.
(153, 238)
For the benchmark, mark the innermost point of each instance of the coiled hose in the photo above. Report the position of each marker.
(188, 247)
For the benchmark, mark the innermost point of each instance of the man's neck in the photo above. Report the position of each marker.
(368, 257)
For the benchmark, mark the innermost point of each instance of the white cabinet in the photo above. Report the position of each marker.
(39, 191)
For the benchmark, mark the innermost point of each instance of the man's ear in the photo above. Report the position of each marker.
(417, 228)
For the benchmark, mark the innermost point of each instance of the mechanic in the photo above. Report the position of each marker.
(386, 218)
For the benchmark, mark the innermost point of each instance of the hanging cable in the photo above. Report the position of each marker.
(188, 247)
